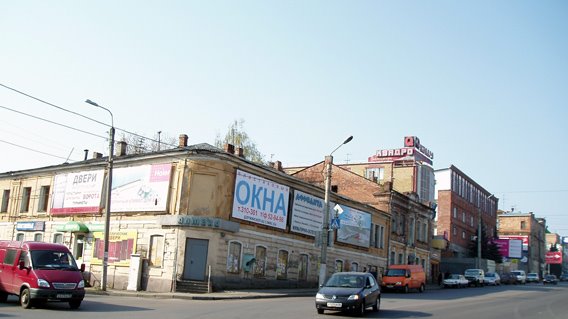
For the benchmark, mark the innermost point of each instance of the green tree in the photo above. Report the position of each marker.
(489, 249)
(237, 136)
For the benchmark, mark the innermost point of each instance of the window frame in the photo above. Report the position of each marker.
(231, 261)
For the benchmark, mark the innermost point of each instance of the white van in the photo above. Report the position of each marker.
(520, 275)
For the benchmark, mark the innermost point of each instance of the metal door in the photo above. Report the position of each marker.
(195, 259)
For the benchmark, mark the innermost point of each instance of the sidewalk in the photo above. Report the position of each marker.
(221, 295)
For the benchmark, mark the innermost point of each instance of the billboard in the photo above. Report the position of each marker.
(260, 200)
(510, 248)
(307, 214)
(553, 257)
(77, 193)
(355, 227)
(524, 239)
(140, 188)
(121, 245)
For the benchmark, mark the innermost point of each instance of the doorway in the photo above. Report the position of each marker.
(195, 259)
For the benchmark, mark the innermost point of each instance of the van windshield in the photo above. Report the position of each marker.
(396, 273)
(46, 259)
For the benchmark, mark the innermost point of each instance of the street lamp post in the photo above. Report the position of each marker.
(108, 195)
(325, 225)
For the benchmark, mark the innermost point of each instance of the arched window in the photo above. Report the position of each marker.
(338, 265)
(282, 264)
(58, 238)
(260, 263)
(354, 266)
(38, 237)
(303, 267)
(20, 237)
(234, 257)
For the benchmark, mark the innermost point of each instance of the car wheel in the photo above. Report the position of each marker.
(75, 304)
(377, 305)
(25, 299)
(320, 311)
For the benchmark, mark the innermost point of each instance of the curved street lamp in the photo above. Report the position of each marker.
(325, 225)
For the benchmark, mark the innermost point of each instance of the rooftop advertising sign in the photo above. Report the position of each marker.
(260, 200)
(412, 150)
(77, 193)
(141, 188)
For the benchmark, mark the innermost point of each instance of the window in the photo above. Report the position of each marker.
(43, 199)
(373, 239)
(338, 265)
(5, 200)
(425, 232)
(523, 224)
(381, 237)
(400, 259)
(260, 264)
(454, 231)
(392, 257)
(334, 188)
(471, 221)
(463, 234)
(58, 238)
(282, 264)
(419, 231)
(455, 212)
(79, 245)
(375, 174)
(26, 196)
(10, 257)
(20, 237)
(38, 237)
(156, 251)
(303, 267)
(354, 266)
(394, 223)
(463, 217)
(234, 257)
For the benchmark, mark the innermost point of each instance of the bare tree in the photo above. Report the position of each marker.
(237, 136)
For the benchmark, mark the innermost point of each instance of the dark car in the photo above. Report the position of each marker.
(550, 279)
(349, 291)
(508, 278)
(563, 277)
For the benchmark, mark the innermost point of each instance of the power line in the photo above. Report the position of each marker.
(31, 149)
(81, 115)
(52, 122)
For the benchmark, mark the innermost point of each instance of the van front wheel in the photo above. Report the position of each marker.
(25, 299)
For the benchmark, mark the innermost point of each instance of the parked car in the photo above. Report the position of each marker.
(521, 276)
(476, 277)
(404, 277)
(38, 272)
(508, 278)
(533, 277)
(455, 281)
(563, 277)
(349, 291)
(550, 279)
(492, 278)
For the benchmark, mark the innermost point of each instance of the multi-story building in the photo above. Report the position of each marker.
(411, 226)
(463, 207)
(195, 214)
(529, 229)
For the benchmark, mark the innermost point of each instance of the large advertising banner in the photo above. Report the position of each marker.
(307, 214)
(121, 245)
(355, 227)
(77, 193)
(553, 257)
(260, 201)
(510, 248)
(140, 188)
(524, 239)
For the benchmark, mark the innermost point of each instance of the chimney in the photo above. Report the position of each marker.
(277, 166)
(121, 148)
(97, 155)
(229, 148)
(86, 154)
(182, 140)
(240, 152)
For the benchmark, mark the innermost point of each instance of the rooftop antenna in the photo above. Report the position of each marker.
(67, 160)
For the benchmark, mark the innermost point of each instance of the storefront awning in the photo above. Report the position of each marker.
(73, 227)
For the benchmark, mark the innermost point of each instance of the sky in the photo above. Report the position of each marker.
(481, 83)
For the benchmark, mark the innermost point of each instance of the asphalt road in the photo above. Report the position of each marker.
(511, 302)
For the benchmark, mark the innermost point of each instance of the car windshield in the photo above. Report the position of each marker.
(471, 272)
(47, 259)
(490, 274)
(346, 281)
(395, 272)
(454, 276)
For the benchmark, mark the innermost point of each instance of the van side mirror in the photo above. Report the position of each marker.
(82, 267)
(22, 265)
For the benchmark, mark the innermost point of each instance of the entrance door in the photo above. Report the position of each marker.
(195, 259)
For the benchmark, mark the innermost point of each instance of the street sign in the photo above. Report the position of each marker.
(335, 224)
(553, 257)
(338, 210)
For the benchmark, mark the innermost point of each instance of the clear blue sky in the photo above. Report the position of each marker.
(481, 83)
